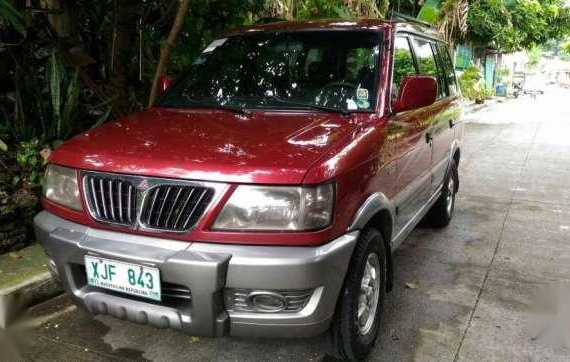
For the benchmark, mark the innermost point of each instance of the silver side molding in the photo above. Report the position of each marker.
(370, 207)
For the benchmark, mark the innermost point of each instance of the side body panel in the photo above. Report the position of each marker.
(418, 147)
(443, 127)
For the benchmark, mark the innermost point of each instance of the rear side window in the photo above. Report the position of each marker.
(441, 77)
(427, 63)
(403, 63)
(448, 67)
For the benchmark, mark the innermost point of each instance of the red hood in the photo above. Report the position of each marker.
(266, 147)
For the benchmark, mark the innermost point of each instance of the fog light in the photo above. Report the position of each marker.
(266, 301)
(263, 301)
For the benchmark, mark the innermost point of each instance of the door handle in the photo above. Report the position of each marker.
(429, 137)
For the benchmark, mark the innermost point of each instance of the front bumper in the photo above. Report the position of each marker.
(205, 270)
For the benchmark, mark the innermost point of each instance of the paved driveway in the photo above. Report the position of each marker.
(477, 278)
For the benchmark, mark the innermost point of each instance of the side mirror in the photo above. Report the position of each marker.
(416, 91)
(164, 82)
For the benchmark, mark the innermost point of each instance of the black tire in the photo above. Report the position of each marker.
(441, 212)
(345, 340)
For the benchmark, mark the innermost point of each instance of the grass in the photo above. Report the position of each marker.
(13, 271)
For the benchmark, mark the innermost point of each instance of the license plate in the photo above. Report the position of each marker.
(134, 279)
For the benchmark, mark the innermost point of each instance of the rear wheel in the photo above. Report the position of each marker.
(360, 304)
(442, 211)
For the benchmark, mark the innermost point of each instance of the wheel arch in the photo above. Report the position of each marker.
(377, 211)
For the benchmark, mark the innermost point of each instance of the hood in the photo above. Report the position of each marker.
(210, 145)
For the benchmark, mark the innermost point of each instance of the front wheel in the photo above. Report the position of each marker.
(357, 318)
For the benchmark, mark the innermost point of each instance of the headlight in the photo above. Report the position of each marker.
(60, 186)
(277, 208)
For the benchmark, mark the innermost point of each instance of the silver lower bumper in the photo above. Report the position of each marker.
(205, 269)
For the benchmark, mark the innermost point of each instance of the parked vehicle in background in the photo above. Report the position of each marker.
(535, 83)
(532, 84)
(265, 192)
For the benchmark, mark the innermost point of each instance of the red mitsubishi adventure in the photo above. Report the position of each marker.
(266, 190)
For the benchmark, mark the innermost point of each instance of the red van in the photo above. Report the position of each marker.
(266, 190)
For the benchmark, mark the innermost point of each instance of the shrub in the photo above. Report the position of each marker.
(472, 84)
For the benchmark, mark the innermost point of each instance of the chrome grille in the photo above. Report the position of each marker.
(110, 199)
(174, 207)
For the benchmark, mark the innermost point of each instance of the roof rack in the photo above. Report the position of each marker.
(393, 15)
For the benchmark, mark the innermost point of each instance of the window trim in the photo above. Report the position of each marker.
(441, 69)
(446, 58)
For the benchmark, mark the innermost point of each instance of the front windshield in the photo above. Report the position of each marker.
(333, 70)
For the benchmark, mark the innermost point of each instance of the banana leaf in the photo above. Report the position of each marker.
(430, 11)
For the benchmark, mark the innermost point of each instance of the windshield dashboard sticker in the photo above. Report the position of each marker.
(362, 93)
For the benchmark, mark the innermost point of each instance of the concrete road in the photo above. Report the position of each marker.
(478, 279)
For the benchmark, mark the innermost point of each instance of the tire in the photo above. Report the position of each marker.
(441, 212)
(348, 339)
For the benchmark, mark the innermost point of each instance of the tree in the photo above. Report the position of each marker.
(167, 47)
(306, 9)
(453, 19)
(516, 24)
(566, 48)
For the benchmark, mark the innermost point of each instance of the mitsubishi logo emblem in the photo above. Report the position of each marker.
(143, 185)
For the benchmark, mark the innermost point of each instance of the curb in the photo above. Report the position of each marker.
(16, 299)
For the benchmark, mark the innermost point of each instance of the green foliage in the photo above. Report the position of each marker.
(430, 11)
(534, 56)
(63, 108)
(46, 100)
(322, 9)
(517, 24)
(206, 20)
(29, 158)
(472, 84)
(10, 18)
(503, 74)
(308, 9)
(566, 48)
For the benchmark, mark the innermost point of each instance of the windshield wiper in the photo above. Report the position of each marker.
(235, 109)
(279, 99)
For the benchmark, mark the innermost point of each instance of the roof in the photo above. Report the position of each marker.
(340, 24)
(354, 24)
